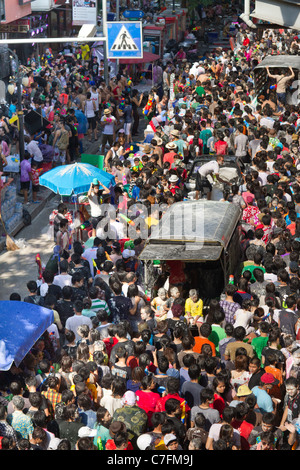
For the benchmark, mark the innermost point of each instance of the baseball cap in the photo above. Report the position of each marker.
(269, 379)
(95, 182)
(169, 438)
(86, 431)
(144, 441)
(243, 391)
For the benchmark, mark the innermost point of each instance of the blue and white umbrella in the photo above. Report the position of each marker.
(76, 178)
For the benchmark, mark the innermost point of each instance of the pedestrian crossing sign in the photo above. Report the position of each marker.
(124, 40)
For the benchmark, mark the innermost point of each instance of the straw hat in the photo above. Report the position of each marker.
(107, 111)
(147, 149)
(171, 145)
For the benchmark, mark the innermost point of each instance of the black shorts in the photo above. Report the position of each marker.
(25, 185)
(92, 122)
(95, 221)
(201, 183)
(35, 188)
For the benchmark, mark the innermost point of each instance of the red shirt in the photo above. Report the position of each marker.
(221, 147)
(160, 405)
(110, 445)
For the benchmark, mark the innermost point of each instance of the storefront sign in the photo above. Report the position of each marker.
(84, 12)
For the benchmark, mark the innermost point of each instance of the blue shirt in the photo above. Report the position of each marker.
(264, 401)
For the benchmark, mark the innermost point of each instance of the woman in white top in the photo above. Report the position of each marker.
(89, 107)
(243, 317)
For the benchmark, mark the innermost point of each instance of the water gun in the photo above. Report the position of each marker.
(138, 167)
(183, 412)
(129, 81)
(85, 225)
(40, 266)
(148, 107)
(122, 104)
(273, 87)
(129, 221)
(99, 443)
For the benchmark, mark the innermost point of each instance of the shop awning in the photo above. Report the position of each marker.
(147, 58)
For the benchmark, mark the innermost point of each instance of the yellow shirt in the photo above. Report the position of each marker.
(195, 309)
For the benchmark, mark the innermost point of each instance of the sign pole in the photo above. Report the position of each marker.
(104, 29)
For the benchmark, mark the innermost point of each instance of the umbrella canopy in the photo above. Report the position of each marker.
(21, 325)
(75, 178)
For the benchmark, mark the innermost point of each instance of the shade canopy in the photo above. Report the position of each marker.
(21, 325)
(75, 178)
(147, 58)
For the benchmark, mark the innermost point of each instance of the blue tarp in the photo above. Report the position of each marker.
(21, 325)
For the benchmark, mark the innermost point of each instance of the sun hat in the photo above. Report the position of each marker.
(158, 140)
(144, 441)
(269, 379)
(107, 111)
(171, 145)
(169, 438)
(173, 179)
(243, 391)
(86, 431)
(174, 132)
(147, 149)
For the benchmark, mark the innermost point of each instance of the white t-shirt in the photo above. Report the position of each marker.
(242, 318)
(75, 321)
(54, 334)
(214, 433)
(62, 280)
(95, 206)
(108, 129)
(209, 168)
(35, 151)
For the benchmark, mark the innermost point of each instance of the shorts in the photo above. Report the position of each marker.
(92, 122)
(95, 221)
(202, 183)
(35, 188)
(59, 155)
(127, 128)
(107, 138)
(25, 185)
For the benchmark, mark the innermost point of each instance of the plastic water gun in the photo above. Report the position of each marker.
(85, 225)
(40, 266)
(99, 444)
(129, 81)
(129, 221)
(138, 167)
(148, 107)
(122, 103)
(183, 411)
(273, 87)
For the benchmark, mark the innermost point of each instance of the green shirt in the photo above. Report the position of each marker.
(251, 268)
(258, 344)
(200, 91)
(216, 335)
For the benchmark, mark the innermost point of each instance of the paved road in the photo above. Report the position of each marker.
(18, 267)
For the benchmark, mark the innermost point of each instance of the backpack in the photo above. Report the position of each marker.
(63, 141)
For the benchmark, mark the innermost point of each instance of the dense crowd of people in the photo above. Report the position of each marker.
(126, 368)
